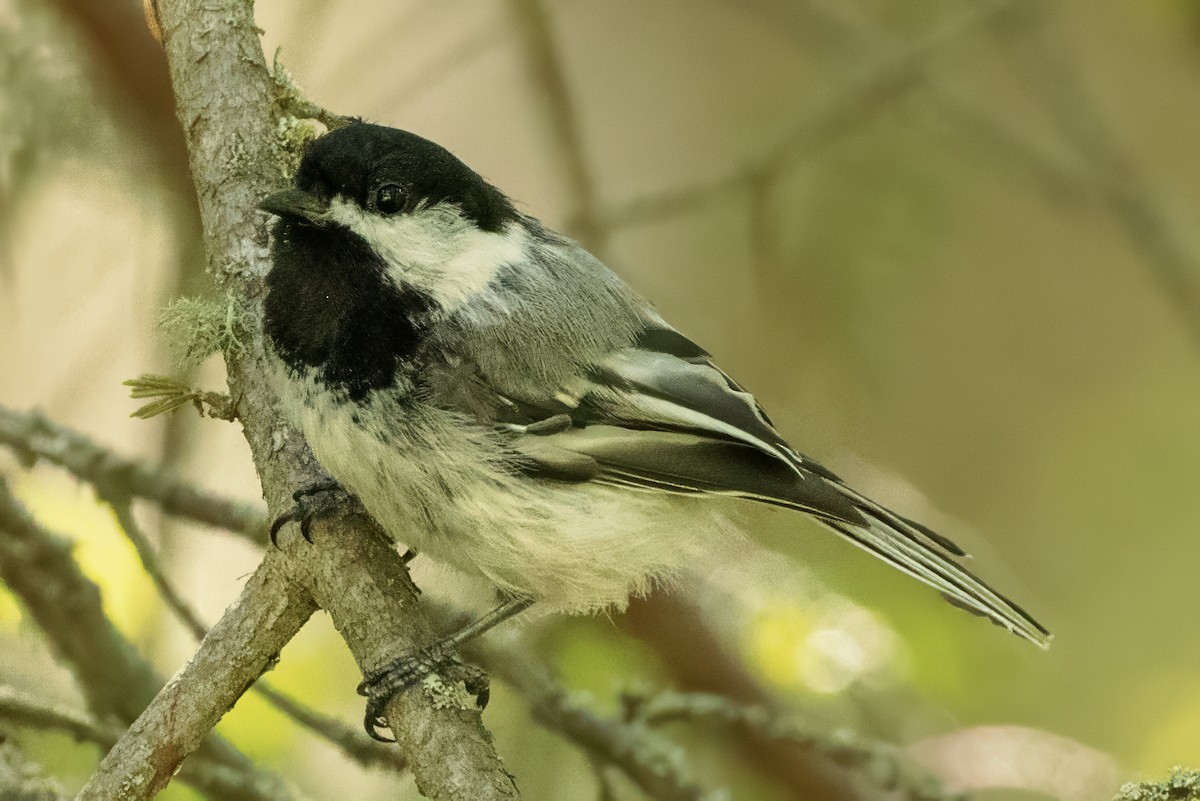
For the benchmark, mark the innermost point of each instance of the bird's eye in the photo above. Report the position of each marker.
(389, 199)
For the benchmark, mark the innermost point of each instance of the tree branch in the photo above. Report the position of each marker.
(205, 775)
(224, 98)
(20, 780)
(352, 742)
(883, 765)
(32, 436)
(652, 763)
(548, 78)
(40, 570)
(858, 101)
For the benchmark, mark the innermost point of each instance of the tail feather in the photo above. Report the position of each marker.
(955, 582)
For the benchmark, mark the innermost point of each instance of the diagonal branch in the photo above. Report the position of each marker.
(643, 756)
(116, 682)
(1120, 187)
(1105, 175)
(352, 742)
(32, 436)
(883, 764)
(854, 104)
(223, 97)
(209, 777)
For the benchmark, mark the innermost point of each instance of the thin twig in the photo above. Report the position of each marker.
(123, 509)
(856, 102)
(883, 764)
(351, 741)
(549, 80)
(39, 568)
(32, 436)
(654, 764)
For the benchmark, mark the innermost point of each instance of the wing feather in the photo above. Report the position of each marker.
(660, 416)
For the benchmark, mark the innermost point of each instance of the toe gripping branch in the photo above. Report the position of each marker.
(380, 685)
(313, 503)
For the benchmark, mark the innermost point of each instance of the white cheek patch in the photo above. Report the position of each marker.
(435, 249)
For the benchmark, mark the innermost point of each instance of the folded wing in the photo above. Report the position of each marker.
(660, 416)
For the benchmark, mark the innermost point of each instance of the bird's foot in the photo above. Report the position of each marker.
(379, 686)
(314, 502)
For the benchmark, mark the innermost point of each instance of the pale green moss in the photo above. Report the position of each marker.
(196, 328)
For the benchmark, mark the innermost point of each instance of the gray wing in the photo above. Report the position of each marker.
(660, 416)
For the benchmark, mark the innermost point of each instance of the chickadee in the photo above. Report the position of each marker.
(499, 400)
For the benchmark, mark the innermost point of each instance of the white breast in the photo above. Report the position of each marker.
(444, 488)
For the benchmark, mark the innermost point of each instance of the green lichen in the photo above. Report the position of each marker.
(447, 696)
(291, 135)
(196, 328)
(1182, 785)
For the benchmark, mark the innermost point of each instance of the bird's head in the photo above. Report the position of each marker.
(390, 198)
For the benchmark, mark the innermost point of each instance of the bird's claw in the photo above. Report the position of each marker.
(379, 686)
(312, 503)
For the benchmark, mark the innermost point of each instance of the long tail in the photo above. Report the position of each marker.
(929, 557)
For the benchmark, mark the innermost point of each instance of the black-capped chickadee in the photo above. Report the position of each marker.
(499, 400)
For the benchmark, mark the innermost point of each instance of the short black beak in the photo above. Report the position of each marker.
(296, 204)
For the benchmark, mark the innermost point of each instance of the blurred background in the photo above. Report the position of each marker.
(951, 246)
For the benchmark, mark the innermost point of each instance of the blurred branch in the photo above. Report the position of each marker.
(1105, 174)
(1117, 182)
(352, 742)
(546, 71)
(881, 763)
(224, 95)
(24, 710)
(430, 76)
(651, 762)
(123, 509)
(678, 631)
(40, 570)
(854, 104)
(20, 780)
(206, 776)
(986, 758)
(31, 436)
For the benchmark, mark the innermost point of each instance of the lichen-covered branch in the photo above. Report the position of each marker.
(1181, 785)
(224, 99)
